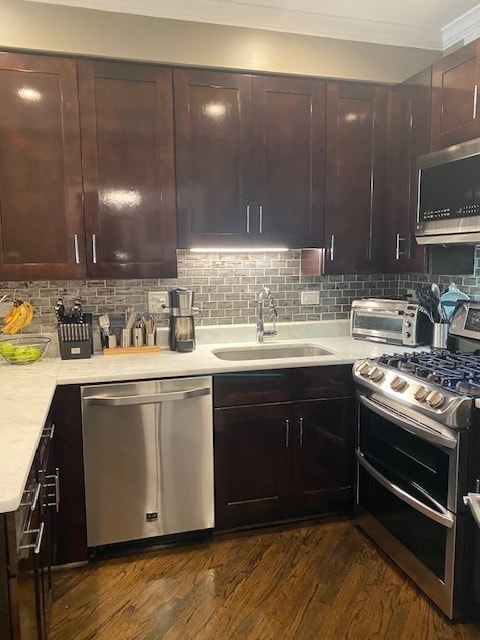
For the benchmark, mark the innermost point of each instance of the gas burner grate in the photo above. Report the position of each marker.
(459, 372)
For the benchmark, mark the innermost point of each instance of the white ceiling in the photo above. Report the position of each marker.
(431, 24)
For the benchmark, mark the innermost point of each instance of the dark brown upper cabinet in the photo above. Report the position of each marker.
(41, 209)
(126, 113)
(355, 176)
(455, 99)
(409, 123)
(249, 159)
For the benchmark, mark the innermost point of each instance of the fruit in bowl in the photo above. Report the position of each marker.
(24, 349)
(7, 350)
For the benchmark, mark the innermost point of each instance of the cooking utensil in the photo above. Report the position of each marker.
(436, 294)
(104, 323)
(428, 300)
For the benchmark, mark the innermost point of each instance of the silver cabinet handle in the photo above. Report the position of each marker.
(76, 249)
(260, 219)
(248, 218)
(287, 432)
(442, 516)
(472, 501)
(475, 99)
(36, 493)
(56, 487)
(406, 252)
(38, 542)
(120, 401)
(94, 248)
(300, 431)
(331, 250)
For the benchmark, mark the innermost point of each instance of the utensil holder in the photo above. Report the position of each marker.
(439, 335)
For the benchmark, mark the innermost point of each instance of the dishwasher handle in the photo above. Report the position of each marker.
(153, 398)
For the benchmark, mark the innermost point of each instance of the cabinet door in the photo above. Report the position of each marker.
(128, 165)
(252, 462)
(41, 209)
(355, 176)
(289, 152)
(409, 138)
(322, 437)
(455, 108)
(71, 526)
(213, 142)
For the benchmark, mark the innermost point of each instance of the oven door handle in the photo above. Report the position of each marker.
(405, 422)
(472, 501)
(444, 518)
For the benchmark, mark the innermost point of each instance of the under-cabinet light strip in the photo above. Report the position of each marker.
(236, 249)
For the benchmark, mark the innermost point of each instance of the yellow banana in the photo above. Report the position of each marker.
(19, 317)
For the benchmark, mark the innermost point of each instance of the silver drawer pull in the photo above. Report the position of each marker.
(38, 542)
(300, 433)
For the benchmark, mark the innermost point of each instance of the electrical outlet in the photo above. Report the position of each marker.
(310, 297)
(157, 301)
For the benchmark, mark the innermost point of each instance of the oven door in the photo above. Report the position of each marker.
(472, 500)
(406, 495)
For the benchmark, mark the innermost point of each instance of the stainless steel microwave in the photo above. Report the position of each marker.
(390, 321)
(448, 205)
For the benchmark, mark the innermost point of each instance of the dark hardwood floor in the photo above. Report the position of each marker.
(315, 582)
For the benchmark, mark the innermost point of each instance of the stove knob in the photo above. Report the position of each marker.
(398, 384)
(363, 367)
(375, 374)
(435, 399)
(421, 393)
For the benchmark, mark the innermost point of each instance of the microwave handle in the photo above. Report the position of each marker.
(442, 516)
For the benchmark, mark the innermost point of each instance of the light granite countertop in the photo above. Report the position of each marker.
(26, 391)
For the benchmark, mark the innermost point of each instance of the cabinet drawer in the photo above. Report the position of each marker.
(282, 385)
(251, 387)
(311, 383)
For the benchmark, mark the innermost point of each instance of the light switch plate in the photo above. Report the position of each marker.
(310, 297)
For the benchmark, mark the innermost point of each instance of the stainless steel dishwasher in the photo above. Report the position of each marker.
(148, 458)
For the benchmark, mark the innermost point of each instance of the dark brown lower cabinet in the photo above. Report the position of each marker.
(281, 459)
(27, 542)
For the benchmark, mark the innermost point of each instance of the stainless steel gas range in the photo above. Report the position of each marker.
(417, 457)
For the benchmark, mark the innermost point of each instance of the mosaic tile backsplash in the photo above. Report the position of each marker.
(226, 286)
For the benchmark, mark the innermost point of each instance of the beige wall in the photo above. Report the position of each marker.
(45, 27)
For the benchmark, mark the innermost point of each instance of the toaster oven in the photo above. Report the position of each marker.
(390, 321)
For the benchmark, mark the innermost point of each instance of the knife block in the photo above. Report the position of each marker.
(75, 339)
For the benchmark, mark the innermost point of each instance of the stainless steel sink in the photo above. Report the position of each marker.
(269, 351)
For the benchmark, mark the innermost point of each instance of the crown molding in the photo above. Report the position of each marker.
(253, 15)
(465, 28)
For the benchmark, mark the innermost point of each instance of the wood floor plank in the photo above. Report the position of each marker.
(322, 581)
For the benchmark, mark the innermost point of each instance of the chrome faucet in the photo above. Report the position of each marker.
(265, 293)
